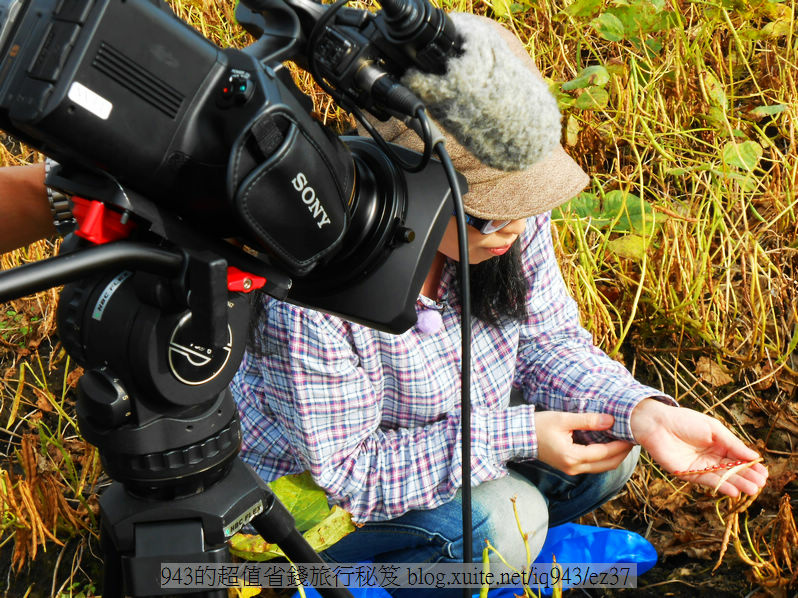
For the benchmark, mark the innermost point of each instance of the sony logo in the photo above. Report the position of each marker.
(310, 199)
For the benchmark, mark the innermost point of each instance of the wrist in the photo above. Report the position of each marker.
(647, 417)
(60, 205)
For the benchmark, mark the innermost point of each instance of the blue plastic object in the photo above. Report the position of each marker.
(356, 593)
(574, 543)
(569, 543)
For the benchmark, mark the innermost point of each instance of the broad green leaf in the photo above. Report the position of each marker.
(501, 8)
(777, 29)
(761, 111)
(609, 27)
(626, 212)
(592, 75)
(584, 205)
(592, 98)
(654, 45)
(564, 100)
(750, 34)
(743, 155)
(629, 246)
(715, 116)
(584, 8)
(715, 91)
(641, 17)
(746, 181)
(634, 215)
(303, 499)
(335, 526)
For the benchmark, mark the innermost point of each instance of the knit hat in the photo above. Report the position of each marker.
(498, 194)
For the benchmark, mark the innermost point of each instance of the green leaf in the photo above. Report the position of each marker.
(584, 205)
(609, 27)
(715, 116)
(634, 215)
(592, 98)
(762, 111)
(584, 8)
(501, 8)
(626, 212)
(743, 155)
(629, 246)
(777, 29)
(654, 45)
(715, 90)
(592, 75)
(750, 34)
(335, 526)
(303, 499)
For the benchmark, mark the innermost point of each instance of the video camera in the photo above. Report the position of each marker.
(197, 174)
(157, 123)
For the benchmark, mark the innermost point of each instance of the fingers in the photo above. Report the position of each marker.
(588, 421)
(757, 474)
(748, 480)
(607, 464)
(726, 443)
(597, 458)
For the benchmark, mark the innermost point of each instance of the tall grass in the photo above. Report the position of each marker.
(682, 253)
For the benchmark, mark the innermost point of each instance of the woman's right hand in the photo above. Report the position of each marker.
(556, 446)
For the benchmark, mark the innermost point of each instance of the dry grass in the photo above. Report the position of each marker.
(683, 255)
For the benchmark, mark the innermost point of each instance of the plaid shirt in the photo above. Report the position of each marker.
(375, 417)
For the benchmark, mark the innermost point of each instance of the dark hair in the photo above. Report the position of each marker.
(498, 288)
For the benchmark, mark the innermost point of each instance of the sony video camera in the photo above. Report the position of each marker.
(157, 123)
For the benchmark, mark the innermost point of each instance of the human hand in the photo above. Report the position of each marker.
(556, 446)
(680, 439)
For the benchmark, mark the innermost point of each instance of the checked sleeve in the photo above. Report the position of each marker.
(559, 368)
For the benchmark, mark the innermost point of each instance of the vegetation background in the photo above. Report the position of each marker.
(682, 255)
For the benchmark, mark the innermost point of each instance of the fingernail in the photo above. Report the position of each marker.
(606, 420)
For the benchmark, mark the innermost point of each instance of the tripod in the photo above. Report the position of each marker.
(160, 342)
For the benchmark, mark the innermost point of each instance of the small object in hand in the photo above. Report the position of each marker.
(712, 468)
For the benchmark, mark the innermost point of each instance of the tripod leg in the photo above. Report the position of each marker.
(276, 525)
(112, 569)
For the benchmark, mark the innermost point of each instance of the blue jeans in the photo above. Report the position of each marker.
(546, 497)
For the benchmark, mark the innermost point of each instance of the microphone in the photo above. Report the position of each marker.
(424, 33)
(491, 97)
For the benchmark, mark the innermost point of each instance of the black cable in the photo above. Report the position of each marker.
(465, 328)
(380, 140)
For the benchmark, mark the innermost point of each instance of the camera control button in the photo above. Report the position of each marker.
(54, 51)
(75, 11)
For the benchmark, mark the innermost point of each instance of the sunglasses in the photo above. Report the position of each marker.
(486, 227)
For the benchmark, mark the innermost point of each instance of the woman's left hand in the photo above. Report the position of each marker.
(680, 439)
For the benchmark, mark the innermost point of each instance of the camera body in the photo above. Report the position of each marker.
(223, 141)
(128, 89)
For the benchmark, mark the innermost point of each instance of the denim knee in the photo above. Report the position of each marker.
(492, 502)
